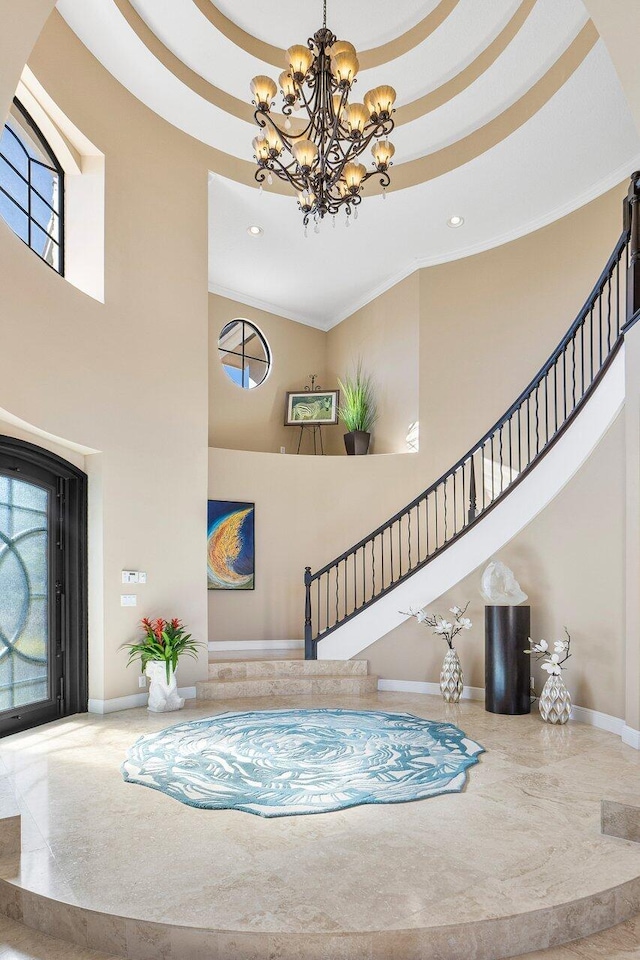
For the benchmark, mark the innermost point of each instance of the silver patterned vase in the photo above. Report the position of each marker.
(555, 701)
(451, 677)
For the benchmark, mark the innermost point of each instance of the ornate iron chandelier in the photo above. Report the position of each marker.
(319, 155)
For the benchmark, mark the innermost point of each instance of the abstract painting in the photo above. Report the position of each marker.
(230, 545)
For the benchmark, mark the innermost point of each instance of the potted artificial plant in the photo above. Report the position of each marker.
(357, 411)
(159, 650)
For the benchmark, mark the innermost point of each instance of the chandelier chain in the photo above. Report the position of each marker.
(324, 22)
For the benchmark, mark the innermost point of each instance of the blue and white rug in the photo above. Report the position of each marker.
(278, 763)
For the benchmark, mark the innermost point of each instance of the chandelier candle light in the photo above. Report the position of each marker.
(319, 158)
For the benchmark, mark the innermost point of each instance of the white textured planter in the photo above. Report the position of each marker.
(163, 696)
(451, 677)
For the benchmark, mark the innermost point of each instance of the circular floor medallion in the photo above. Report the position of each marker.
(278, 763)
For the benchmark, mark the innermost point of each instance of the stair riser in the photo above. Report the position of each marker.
(268, 669)
(282, 687)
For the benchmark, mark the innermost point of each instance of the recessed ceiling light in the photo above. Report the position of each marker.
(255, 231)
(455, 221)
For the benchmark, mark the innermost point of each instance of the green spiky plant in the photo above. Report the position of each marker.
(164, 640)
(357, 401)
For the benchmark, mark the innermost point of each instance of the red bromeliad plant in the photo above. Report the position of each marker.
(164, 640)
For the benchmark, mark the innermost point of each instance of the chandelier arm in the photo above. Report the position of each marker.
(335, 139)
(290, 173)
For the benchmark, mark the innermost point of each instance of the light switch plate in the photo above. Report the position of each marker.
(130, 576)
(142, 681)
(142, 577)
(128, 600)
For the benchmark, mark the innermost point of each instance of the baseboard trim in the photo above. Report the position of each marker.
(603, 721)
(129, 703)
(594, 718)
(419, 686)
(631, 737)
(218, 646)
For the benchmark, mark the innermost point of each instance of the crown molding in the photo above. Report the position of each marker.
(267, 306)
(596, 190)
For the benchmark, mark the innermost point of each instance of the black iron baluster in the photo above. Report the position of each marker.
(472, 490)
(590, 342)
(373, 567)
(346, 593)
(519, 441)
(337, 591)
(445, 485)
(555, 396)
(382, 558)
(482, 478)
(409, 536)
(400, 547)
(435, 515)
(493, 471)
(510, 451)
(318, 607)
(546, 408)
(327, 592)
(618, 297)
(582, 359)
(391, 552)
(426, 507)
(455, 504)
(564, 383)
(418, 531)
(355, 581)
(573, 369)
(608, 315)
(364, 578)
(600, 325)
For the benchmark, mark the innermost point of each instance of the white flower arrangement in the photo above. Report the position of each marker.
(552, 662)
(449, 629)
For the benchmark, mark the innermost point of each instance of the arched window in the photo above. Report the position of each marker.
(32, 188)
(244, 354)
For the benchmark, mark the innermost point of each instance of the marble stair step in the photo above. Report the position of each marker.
(267, 669)
(261, 686)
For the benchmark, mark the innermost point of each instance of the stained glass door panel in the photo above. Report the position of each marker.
(25, 602)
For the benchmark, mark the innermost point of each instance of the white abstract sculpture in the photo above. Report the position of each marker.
(499, 586)
(163, 696)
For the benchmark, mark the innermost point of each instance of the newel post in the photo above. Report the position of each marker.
(309, 645)
(632, 223)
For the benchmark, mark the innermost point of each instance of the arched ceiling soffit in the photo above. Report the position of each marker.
(474, 72)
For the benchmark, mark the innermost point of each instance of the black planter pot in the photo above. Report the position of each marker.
(357, 443)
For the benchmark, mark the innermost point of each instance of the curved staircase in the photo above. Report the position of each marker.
(499, 485)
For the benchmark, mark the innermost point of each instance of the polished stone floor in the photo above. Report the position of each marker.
(524, 834)
(619, 943)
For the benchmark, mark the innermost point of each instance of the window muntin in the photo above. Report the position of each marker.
(244, 354)
(32, 188)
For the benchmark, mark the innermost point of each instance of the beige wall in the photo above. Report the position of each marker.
(254, 419)
(127, 378)
(385, 335)
(488, 323)
(570, 561)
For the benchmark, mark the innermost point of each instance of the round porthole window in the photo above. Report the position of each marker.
(244, 354)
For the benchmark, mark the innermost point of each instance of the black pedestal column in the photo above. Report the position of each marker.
(507, 666)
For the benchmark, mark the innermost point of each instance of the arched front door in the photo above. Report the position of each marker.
(43, 587)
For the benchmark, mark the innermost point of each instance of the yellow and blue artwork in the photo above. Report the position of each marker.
(230, 545)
